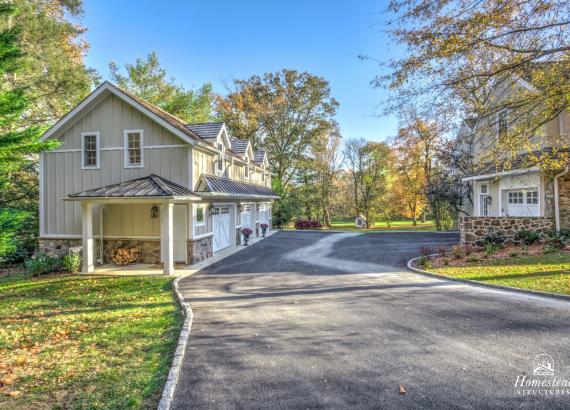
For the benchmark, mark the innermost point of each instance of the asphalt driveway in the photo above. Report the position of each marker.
(322, 320)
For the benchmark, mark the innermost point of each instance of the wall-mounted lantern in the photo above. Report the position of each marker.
(257, 206)
(240, 208)
(211, 208)
(154, 212)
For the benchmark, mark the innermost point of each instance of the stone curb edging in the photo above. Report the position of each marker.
(484, 284)
(173, 374)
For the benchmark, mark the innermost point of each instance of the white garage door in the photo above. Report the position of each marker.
(221, 227)
(523, 203)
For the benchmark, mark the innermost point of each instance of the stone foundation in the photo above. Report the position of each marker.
(57, 247)
(150, 249)
(200, 249)
(474, 228)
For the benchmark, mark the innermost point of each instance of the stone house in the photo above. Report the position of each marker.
(521, 195)
(130, 174)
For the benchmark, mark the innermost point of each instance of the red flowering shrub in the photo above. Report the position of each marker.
(307, 224)
(263, 226)
(246, 231)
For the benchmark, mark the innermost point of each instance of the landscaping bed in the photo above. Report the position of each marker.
(543, 265)
(70, 341)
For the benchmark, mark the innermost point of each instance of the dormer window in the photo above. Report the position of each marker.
(502, 124)
(220, 163)
(246, 171)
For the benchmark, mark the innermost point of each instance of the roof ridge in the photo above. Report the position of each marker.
(161, 184)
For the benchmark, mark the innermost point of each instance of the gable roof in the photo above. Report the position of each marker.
(169, 121)
(239, 146)
(259, 156)
(229, 187)
(149, 186)
(208, 130)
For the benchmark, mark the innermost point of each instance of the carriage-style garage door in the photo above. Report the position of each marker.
(221, 227)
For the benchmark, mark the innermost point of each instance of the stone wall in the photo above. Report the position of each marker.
(474, 228)
(564, 192)
(200, 249)
(150, 249)
(57, 247)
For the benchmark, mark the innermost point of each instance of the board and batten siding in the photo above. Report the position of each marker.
(164, 154)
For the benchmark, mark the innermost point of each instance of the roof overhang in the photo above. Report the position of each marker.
(106, 89)
(513, 172)
(132, 200)
(225, 195)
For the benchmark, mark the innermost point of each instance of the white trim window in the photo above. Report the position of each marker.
(246, 170)
(90, 150)
(484, 199)
(221, 159)
(134, 152)
(199, 214)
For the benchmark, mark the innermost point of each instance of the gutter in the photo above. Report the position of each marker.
(557, 197)
(499, 174)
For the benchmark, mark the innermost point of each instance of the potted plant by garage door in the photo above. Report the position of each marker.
(263, 227)
(246, 232)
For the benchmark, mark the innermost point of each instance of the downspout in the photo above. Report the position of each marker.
(557, 198)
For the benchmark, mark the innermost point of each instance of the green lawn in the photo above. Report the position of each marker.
(549, 272)
(75, 342)
(404, 225)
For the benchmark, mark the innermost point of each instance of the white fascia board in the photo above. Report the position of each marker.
(500, 174)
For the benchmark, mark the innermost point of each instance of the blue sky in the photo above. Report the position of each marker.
(218, 41)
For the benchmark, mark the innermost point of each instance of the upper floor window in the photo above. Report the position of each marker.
(90, 150)
(246, 171)
(262, 175)
(220, 162)
(502, 124)
(484, 188)
(133, 149)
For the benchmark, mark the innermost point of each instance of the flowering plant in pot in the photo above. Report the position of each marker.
(263, 227)
(246, 232)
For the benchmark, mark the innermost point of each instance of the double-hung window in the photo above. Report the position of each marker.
(221, 158)
(134, 149)
(90, 150)
(246, 170)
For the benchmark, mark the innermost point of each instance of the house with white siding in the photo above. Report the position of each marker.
(128, 174)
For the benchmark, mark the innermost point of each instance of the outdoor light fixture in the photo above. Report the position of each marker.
(154, 212)
(240, 208)
(211, 208)
(257, 206)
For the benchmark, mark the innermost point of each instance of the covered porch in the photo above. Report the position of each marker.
(160, 197)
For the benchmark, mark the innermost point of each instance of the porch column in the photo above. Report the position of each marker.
(166, 237)
(87, 236)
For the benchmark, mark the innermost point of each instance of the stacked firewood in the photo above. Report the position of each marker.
(126, 256)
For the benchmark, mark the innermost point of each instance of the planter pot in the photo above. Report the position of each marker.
(245, 240)
(263, 230)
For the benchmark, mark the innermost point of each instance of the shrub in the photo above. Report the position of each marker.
(491, 248)
(442, 250)
(457, 251)
(497, 239)
(527, 237)
(71, 262)
(263, 226)
(42, 263)
(307, 224)
(424, 262)
(246, 231)
(426, 251)
(556, 240)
